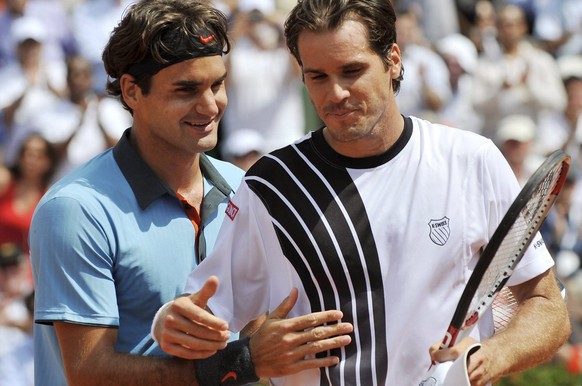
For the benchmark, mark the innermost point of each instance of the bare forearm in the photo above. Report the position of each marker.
(533, 336)
(130, 370)
(90, 359)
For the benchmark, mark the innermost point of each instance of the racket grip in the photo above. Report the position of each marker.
(448, 340)
(450, 337)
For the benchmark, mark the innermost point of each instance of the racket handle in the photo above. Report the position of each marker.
(448, 340)
(450, 337)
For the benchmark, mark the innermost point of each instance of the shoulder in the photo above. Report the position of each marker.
(270, 164)
(447, 145)
(231, 173)
(99, 177)
(95, 199)
(444, 134)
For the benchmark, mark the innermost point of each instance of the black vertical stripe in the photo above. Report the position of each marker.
(358, 286)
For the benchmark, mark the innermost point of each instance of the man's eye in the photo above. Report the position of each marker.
(353, 71)
(186, 90)
(217, 86)
(317, 77)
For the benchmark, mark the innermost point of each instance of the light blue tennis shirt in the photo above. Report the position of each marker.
(110, 244)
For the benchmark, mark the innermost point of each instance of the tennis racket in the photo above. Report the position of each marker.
(508, 244)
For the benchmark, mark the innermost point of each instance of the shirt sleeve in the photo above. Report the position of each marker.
(503, 188)
(239, 262)
(71, 262)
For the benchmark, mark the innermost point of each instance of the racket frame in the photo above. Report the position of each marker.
(462, 323)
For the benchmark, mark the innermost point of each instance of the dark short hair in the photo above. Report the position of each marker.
(378, 16)
(161, 33)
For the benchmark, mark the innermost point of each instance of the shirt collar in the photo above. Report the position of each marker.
(146, 185)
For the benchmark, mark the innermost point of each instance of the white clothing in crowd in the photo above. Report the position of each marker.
(59, 123)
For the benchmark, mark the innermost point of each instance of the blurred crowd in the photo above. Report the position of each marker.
(510, 70)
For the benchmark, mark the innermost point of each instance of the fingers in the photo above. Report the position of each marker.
(190, 348)
(286, 346)
(445, 354)
(328, 343)
(208, 290)
(481, 368)
(191, 320)
(187, 330)
(282, 360)
(183, 306)
(286, 305)
(190, 340)
(303, 322)
(310, 363)
(293, 359)
(314, 319)
(434, 348)
(314, 327)
(451, 353)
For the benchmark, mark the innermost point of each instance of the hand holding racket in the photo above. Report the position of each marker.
(508, 244)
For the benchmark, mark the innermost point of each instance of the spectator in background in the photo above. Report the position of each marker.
(14, 286)
(28, 86)
(563, 129)
(51, 14)
(558, 25)
(523, 80)
(22, 186)
(91, 23)
(427, 88)
(13, 9)
(285, 6)
(460, 56)
(82, 124)
(483, 31)
(514, 137)
(17, 351)
(268, 7)
(562, 232)
(264, 83)
(243, 148)
(438, 18)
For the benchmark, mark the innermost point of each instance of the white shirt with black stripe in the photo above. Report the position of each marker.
(390, 240)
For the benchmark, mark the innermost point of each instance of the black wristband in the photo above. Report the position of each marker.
(231, 366)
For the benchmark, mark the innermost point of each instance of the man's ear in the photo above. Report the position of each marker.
(395, 59)
(129, 90)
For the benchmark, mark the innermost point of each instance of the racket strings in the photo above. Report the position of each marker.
(515, 242)
(501, 264)
(504, 307)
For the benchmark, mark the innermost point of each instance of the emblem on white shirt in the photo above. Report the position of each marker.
(429, 382)
(439, 230)
(231, 210)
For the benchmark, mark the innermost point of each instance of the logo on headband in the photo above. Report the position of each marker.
(180, 48)
(206, 40)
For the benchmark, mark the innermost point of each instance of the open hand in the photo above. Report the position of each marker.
(187, 330)
(284, 346)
